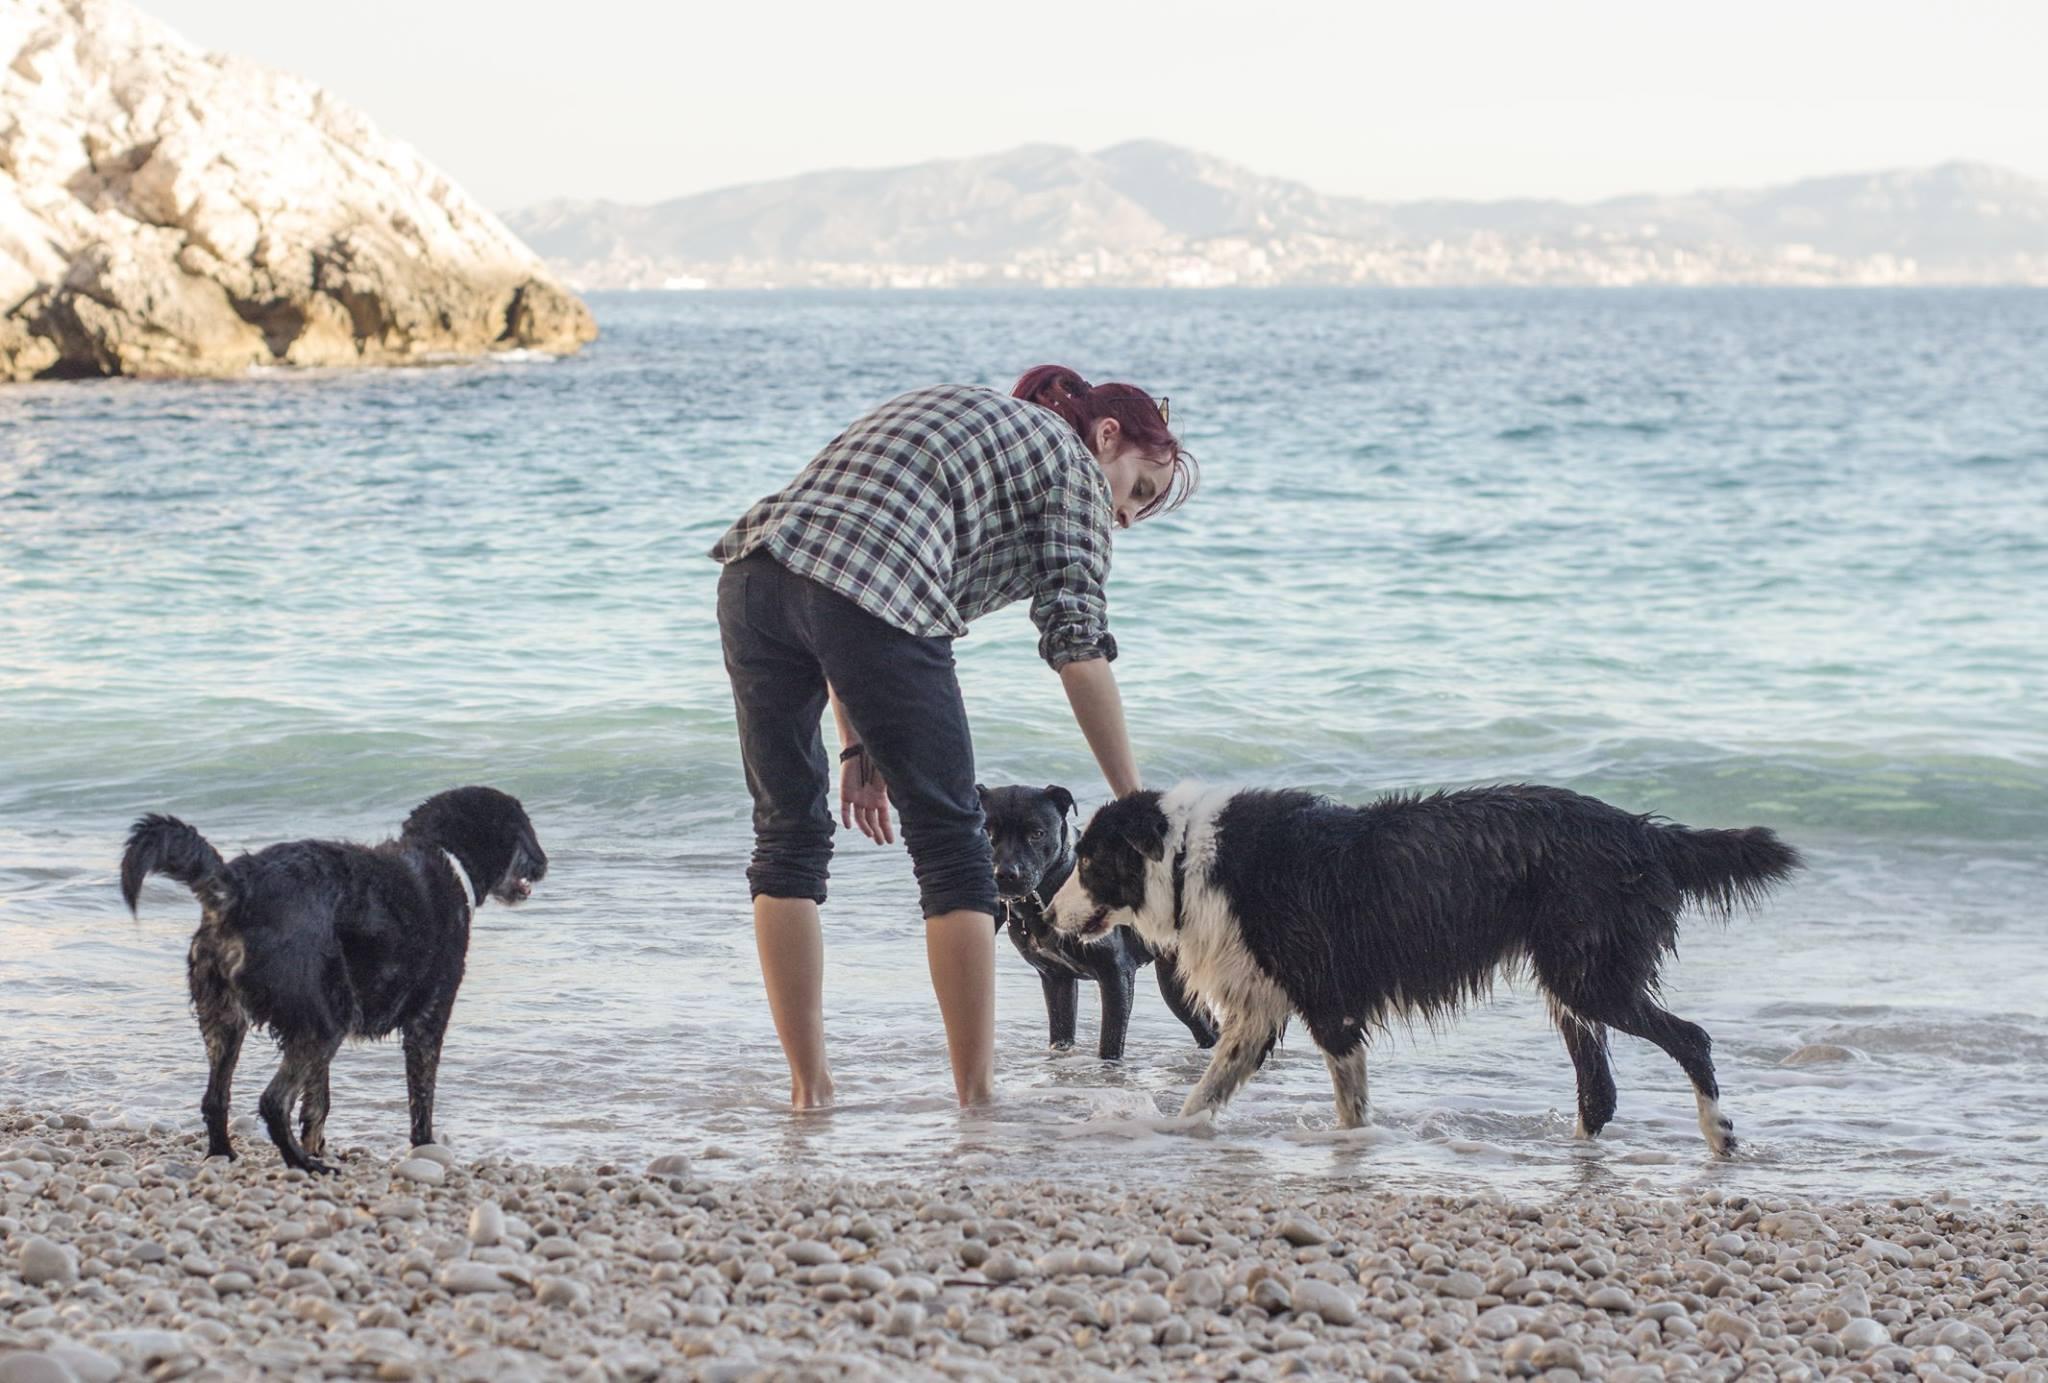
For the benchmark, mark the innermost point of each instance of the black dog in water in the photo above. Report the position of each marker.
(1034, 855)
(320, 941)
(1282, 902)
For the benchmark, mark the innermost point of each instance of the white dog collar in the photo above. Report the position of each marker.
(461, 874)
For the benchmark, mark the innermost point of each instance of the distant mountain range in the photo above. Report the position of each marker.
(1154, 214)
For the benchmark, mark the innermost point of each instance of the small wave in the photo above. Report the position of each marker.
(1370, 1135)
(1980, 1040)
(1641, 427)
(1823, 1054)
(1124, 1113)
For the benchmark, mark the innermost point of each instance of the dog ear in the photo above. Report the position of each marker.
(1147, 834)
(981, 792)
(1061, 798)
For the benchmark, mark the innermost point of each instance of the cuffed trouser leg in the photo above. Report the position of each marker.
(784, 636)
(903, 696)
(778, 691)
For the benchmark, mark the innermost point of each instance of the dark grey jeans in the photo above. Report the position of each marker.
(784, 636)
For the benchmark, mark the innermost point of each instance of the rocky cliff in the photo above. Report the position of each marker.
(165, 211)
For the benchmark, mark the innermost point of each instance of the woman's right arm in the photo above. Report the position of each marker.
(1071, 611)
(1099, 711)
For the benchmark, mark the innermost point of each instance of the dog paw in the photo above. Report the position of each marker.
(1718, 1128)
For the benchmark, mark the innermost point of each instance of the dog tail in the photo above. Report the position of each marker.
(165, 845)
(1719, 869)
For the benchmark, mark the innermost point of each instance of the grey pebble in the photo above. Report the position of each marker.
(463, 1278)
(486, 1224)
(1197, 1287)
(1327, 1300)
(869, 1279)
(1150, 1309)
(985, 1330)
(561, 1291)
(33, 1367)
(422, 1170)
(43, 1261)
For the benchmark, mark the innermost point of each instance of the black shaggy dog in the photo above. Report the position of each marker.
(1034, 854)
(320, 941)
(1279, 902)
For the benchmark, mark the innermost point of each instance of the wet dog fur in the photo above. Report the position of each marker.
(1034, 853)
(321, 941)
(1279, 902)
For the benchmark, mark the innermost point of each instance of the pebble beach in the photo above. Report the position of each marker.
(126, 1253)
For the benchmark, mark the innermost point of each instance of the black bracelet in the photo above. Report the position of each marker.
(851, 750)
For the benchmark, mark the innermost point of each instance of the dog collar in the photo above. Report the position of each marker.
(461, 874)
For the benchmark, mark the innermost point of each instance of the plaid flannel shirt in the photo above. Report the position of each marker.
(945, 504)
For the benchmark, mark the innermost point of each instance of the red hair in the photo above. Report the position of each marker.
(1084, 405)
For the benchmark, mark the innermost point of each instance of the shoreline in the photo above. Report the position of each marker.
(125, 1252)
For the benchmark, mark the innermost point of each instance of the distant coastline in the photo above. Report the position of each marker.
(1025, 290)
(1151, 215)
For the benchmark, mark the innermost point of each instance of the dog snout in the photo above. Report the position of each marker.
(1011, 882)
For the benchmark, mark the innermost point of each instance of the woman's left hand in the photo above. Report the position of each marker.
(864, 800)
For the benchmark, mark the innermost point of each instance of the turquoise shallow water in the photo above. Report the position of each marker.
(1738, 557)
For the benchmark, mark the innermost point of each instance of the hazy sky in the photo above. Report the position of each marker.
(526, 99)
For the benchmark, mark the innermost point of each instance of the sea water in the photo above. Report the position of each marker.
(1737, 557)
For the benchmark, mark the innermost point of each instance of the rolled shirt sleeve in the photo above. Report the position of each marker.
(1068, 602)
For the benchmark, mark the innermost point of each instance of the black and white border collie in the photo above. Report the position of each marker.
(321, 941)
(1278, 902)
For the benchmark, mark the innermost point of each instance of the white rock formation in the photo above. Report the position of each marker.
(165, 211)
